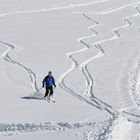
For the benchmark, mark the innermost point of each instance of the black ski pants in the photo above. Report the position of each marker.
(49, 91)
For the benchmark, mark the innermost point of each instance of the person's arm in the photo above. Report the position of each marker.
(43, 82)
(54, 82)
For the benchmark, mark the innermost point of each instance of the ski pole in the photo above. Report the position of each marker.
(38, 90)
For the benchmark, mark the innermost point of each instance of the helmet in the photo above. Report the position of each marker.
(49, 72)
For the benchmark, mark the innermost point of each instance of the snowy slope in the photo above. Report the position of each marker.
(92, 47)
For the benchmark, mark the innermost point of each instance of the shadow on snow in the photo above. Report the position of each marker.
(35, 96)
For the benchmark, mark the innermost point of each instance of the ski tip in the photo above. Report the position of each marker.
(49, 100)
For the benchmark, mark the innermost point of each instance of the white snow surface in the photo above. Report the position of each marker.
(93, 49)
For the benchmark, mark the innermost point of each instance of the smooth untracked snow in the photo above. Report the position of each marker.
(93, 49)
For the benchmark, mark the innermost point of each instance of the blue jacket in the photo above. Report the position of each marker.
(48, 81)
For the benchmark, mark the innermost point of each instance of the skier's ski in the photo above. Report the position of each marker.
(52, 100)
(49, 99)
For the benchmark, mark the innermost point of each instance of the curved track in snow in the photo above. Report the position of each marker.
(6, 57)
(132, 118)
(13, 12)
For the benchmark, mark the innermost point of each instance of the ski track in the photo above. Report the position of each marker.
(49, 9)
(10, 129)
(7, 58)
(85, 70)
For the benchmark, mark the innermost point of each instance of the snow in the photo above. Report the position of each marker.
(92, 48)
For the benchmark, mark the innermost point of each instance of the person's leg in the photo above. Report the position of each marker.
(51, 91)
(47, 92)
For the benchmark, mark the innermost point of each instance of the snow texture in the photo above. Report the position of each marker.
(96, 43)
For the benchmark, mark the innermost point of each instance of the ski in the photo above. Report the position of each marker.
(49, 99)
(52, 100)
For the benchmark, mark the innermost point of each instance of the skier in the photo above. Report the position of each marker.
(48, 83)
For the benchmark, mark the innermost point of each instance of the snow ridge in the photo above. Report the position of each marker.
(14, 129)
